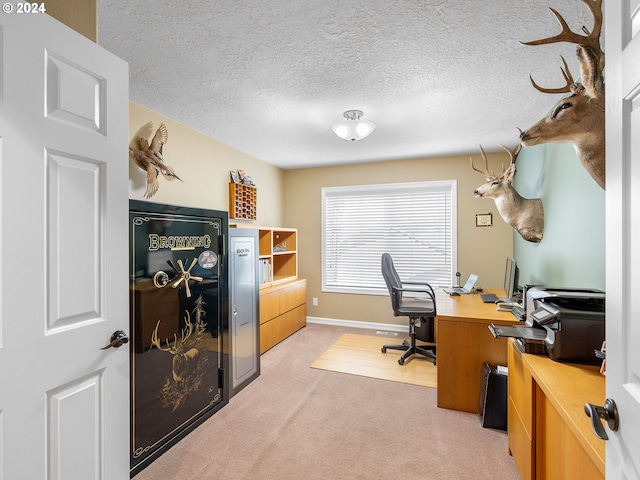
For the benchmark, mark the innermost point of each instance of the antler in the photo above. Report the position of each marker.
(486, 172)
(178, 345)
(188, 328)
(512, 153)
(156, 341)
(567, 76)
(590, 41)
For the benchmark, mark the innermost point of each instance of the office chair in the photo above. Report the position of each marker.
(421, 312)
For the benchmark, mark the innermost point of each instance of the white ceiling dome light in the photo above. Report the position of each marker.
(353, 129)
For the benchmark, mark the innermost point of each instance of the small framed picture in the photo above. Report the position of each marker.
(234, 176)
(484, 220)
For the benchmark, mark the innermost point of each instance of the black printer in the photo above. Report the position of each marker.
(567, 324)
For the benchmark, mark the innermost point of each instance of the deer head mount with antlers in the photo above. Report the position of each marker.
(578, 118)
(525, 215)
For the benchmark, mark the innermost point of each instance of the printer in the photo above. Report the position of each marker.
(567, 324)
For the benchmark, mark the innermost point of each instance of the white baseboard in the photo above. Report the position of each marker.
(389, 327)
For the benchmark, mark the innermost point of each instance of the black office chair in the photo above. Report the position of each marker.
(421, 312)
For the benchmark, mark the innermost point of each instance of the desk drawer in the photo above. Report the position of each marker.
(520, 389)
(521, 445)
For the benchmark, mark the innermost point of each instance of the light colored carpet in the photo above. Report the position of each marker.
(296, 422)
(361, 355)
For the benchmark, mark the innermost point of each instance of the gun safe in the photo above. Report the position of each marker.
(179, 320)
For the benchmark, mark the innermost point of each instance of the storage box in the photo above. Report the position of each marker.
(492, 404)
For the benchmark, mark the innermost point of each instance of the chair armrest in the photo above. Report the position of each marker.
(416, 290)
(429, 291)
(423, 284)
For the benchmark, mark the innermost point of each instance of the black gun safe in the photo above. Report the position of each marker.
(178, 315)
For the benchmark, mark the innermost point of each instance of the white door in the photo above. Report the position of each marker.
(622, 76)
(64, 402)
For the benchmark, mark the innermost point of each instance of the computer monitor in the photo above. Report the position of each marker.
(511, 279)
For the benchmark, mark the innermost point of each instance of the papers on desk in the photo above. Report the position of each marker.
(506, 306)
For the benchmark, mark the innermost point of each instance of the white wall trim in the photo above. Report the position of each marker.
(389, 327)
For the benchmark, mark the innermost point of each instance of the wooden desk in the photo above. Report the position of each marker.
(549, 434)
(465, 344)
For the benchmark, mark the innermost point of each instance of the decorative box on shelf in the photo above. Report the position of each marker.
(242, 201)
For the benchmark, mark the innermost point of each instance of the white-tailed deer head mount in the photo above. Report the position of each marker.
(578, 118)
(525, 215)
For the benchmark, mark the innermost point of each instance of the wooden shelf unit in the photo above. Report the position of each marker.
(278, 254)
(283, 308)
(243, 201)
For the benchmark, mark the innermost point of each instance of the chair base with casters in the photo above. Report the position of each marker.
(410, 348)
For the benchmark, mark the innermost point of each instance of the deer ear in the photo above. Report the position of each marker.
(510, 172)
(591, 77)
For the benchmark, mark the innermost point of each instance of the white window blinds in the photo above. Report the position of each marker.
(414, 222)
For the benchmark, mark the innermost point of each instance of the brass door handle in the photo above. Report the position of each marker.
(118, 339)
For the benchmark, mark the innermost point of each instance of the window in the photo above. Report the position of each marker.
(414, 222)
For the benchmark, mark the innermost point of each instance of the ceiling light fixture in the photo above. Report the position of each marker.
(353, 128)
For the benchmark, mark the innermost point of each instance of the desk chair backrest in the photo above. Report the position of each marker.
(392, 279)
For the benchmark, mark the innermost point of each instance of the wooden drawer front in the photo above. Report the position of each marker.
(269, 334)
(269, 306)
(293, 296)
(521, 445)
(520, 390)
(559, 455)
(292, 321)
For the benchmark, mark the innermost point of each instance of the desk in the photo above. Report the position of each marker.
(465, 344)
(549, 434)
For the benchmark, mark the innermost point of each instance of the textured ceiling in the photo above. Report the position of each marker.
(269, 78)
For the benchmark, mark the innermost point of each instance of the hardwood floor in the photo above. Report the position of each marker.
(361, 355)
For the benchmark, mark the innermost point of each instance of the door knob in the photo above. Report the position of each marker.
(608, 412)
(118, 339)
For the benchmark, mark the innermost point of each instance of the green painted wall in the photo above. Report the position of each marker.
(572, 252)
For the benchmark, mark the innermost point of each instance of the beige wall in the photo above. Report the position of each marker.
(481, 250)
(203, 164)
(81, 15)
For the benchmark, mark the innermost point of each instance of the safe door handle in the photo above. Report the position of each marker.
(608, 412)
(118, 339)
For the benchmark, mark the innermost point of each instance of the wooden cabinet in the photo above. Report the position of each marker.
(550, 437)
(559, 454)
(283, 309)
(465, 344)
(520, 426)
(282, 312)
